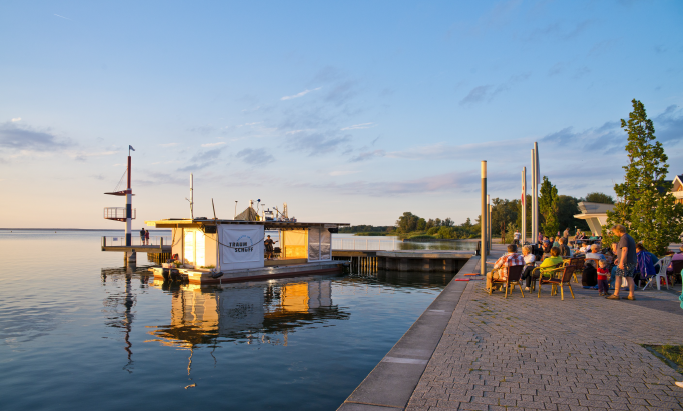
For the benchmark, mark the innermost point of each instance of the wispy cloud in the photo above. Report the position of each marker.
(303, 130)
(359, 126)
(62, 17)
(255, 156)
(202, 159)
(168, 144)
(303, 93)
(84, 155)
(368, 155)
(26, 138)
(220, 143)
(14, 120)
(343, 172)
(316, 143)
(487, 93)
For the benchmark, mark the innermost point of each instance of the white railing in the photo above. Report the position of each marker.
(135, 240)
(365, 244)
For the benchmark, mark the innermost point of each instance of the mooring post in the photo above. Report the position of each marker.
(483, 220)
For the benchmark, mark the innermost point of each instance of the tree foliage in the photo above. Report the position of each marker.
(548, 206)
(599, 198)
(645, 204)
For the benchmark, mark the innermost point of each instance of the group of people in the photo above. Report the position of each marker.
(627, 258)
(144, 236)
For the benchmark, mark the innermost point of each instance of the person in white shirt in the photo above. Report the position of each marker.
(529, 264)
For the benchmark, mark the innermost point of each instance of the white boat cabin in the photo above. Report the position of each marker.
(227, 245)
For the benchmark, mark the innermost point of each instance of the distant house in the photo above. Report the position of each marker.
(677, 188)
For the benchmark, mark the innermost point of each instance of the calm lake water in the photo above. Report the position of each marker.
(77, 331)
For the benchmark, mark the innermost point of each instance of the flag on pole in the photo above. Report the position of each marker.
(523, 190)
(131, 148)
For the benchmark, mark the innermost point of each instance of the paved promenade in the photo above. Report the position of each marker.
(472, 351)
(531, 353)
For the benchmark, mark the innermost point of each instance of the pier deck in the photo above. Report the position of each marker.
(473, 351)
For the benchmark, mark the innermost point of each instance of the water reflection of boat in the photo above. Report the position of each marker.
(245, 313)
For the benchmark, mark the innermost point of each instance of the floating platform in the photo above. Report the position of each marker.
(206, 276)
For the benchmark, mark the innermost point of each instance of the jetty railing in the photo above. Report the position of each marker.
(365, 244)
(120, 241)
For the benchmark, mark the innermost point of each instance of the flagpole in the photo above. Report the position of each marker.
(523, 206)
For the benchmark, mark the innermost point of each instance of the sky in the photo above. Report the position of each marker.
(350, 112)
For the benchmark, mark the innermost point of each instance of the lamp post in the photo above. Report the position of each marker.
(235, 210)
(483, 220)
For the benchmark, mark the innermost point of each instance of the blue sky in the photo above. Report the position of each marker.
(348, 111)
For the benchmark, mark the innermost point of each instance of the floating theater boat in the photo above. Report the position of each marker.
(212, 251)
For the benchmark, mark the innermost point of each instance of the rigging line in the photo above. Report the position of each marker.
(121, 180)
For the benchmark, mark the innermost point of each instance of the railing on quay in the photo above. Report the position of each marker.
(117, 213)
(365, 244)
(135, 240)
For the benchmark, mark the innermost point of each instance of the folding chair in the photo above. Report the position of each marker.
(663, 265)
(514, 276)
(567, 272)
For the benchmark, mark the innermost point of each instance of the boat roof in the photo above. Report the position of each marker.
(269, 225)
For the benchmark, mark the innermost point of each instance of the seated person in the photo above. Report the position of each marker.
(553, 261)
(529, 264)
(500, 268)
(564, 249)
(555, 241)
(589, 277)
(546, 246)
(676, 257)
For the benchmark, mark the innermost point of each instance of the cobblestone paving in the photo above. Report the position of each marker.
(548, 354)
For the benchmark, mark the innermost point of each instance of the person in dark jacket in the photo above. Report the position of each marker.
(564, 249)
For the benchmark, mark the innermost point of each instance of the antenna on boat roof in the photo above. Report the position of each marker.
(214, 210)
(191, 199)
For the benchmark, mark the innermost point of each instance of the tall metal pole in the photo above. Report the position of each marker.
(483, 220)
(488, 223)
(534, 223)
(192, 195)
(538, 181)
(129, 207)
(524, 206)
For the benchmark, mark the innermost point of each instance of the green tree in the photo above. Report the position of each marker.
(446, 232)
(407, 222)
(503, 213)
(599, 198)
(645, 204)
(421, 224)
(567, 208)
(518, 221)
(548, 206)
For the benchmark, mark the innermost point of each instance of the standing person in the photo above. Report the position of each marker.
(142, 236)
(566, 233)
(540, 237)
(626, 261)
(603, 278)
(146, 237)
(518, 237)
(500, 268)
(269, 247)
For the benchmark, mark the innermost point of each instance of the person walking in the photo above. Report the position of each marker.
(518, 237)
(626, 262)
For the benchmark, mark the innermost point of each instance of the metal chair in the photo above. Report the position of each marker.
(514, 276)
(663, 265)
(567, 272)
